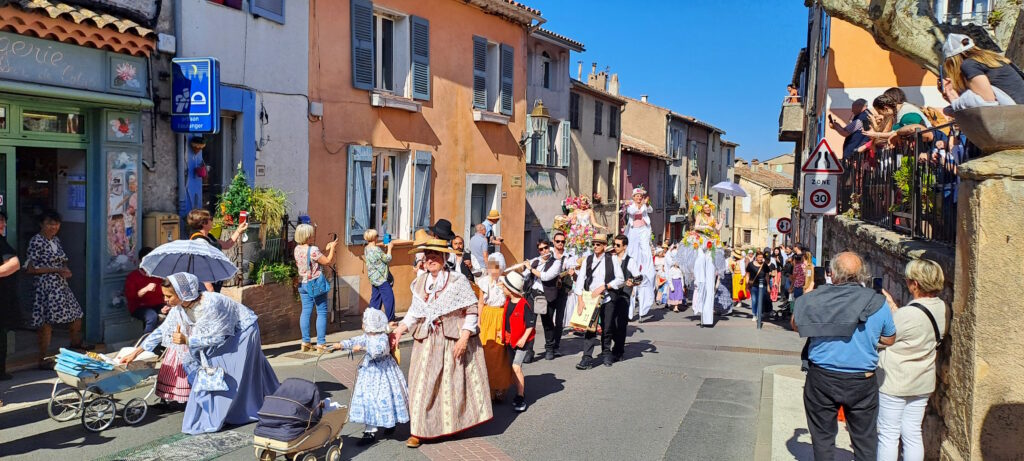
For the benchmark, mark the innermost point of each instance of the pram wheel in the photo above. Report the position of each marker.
(134, 411)
(333, 453)
(65, 404)
(265, 455)
(99, 414)
(306, 457)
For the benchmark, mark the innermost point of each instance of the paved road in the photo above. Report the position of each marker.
(681, 392)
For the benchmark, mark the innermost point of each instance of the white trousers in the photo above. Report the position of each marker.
(900, 417)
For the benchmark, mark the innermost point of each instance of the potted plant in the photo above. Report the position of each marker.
(265, 272)
(268, 205)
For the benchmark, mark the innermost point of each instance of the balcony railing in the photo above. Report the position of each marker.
(910, 188)
(958, 19)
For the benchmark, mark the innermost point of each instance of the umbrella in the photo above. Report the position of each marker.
(193, 256)
(729, 188)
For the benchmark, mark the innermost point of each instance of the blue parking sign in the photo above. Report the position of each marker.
(195, 84)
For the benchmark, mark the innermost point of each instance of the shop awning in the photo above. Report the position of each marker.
(92, 97)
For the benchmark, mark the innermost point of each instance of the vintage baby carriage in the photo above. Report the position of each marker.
(91, 383)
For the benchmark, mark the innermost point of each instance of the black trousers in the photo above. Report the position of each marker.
(824, 392)
(620, 318)
(3, 350)
(552, 322)
(606, 312)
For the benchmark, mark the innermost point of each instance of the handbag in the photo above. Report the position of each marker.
(540, 304)
(209, 379)
(315, 287)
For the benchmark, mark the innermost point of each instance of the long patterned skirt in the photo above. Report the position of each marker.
(496, 355)
(447, 396)
(172, 381)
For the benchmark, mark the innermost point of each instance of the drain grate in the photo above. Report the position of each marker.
(300, 356)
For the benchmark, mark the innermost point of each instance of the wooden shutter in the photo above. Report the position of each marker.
(420, 58)
(270, 9)
(566, 157)
(360, 162)
(508, 71)
(529, 141)
(541, 138)
(422, 188)
(362, 44)
(479, 73)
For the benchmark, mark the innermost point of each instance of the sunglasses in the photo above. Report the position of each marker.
(618, 245)
(600, 243)
(542, 248)
(560, 241)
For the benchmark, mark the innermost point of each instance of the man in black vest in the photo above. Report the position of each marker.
(554, 320)
(600, 276)
(544, 271)
(461, 260)
(630, 269)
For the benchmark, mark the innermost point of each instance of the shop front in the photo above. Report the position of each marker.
(71, 141)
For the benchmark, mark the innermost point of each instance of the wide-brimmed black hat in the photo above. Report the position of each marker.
(442, 229)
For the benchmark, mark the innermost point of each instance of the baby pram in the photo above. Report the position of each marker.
(91, 384)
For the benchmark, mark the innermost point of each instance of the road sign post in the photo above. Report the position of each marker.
(821, 173)
(195, 101)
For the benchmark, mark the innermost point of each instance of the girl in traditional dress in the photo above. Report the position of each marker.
(675, 287)
(448, 391)
(172, 381)
(381, 396)
(738, 268)
(582, 227)
(491, 306)
(638, 231)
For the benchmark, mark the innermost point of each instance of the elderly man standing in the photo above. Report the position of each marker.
(845, 323)
(478, 244)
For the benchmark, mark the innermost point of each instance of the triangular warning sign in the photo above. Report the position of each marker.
(822, 160)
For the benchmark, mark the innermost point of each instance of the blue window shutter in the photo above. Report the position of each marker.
(269, 9)
(360, 162)
(529, 141)
(420, 58)
(479, 73)
(362, 44)
(421, 199)
(566, 157)
(508, 71)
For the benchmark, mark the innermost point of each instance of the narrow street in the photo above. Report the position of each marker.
(681, 392)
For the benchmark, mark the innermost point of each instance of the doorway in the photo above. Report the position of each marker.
(483, 194)
(50, 179)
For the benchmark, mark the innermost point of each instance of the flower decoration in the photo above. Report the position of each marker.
(126, 75)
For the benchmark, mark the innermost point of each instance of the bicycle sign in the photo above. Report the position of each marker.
(820, 194)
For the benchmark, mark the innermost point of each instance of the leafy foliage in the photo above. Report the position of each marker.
(235, 199)
(279, 272)
(268, 206)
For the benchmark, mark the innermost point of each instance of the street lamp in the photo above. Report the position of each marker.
(539, 117)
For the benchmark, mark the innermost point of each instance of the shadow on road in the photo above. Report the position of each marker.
(70, 435)
(804, 450)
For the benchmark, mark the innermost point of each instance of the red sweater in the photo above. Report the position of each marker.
(135, 282)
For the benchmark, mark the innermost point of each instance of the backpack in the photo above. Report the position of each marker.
(290, 411)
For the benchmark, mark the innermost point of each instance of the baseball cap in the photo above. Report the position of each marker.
(956, 44)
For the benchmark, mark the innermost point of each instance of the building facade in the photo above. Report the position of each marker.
(767, 200)
(594, 115)
(549, 152)
(423, 108)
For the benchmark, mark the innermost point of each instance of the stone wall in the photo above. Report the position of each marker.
(278, 308)
(886, 253)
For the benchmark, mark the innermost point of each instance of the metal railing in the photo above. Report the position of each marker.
(910, 188)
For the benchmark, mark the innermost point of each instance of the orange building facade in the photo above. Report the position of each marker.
(423, 109)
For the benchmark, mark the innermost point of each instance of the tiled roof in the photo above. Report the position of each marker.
(639, 146)
(578, 85)
(509, 9)
(79, 26)
(729, 143)
(769, 179)
(685, 118)
(523, 7)
(561, 38)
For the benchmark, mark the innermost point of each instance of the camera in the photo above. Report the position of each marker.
(638, 280)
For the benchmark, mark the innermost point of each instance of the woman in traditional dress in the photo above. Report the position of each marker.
(738, 268)
(172, 381)
(582, 227)
(703, 257)
(491, 306)
(226, 333)
(448, 391)
(675, 287)
(638, 231)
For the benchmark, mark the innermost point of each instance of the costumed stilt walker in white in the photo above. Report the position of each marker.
(638, 230)
(703, 260)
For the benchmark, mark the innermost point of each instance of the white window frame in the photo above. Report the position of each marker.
(401, 65)
(494, 77)
(485, 179)
(402, 206)
(546, 68)
(746, 204)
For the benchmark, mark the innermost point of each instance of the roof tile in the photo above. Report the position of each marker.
(770, 179)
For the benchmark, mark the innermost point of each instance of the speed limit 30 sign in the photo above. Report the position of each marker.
(820, 193)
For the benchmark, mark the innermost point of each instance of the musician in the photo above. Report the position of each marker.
(544, 273)
(631, 272)
(460, 261)
(555, 319)
(598, 276)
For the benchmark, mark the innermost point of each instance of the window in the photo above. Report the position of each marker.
(574, 110)
(673, 188)
(613, 121)
(545, 65)
(269, 9)
(380, 192)
(596, 178)
(611, 181)
(236, 4)
(3, 118)
(746, 204)
(598, 111)
(389, 203)
(746, 236)
(493, 71)
(39, 121)
(390, 52)
(553, 157)
(778, 168)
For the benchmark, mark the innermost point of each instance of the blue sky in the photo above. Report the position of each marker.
(726, 62)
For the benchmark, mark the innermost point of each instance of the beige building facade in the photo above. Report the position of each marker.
(755, 216)
(594, 115)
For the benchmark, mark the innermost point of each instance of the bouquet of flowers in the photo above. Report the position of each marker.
(570, 204)
(579, 238)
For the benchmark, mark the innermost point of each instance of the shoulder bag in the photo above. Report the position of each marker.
(209, 379)
(319, 286)
(935, 325)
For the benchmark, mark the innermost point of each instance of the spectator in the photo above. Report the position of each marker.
(461, 261)
(382, 293)
(854, 130)
(907, 368)
(478, 244)
(906, 117)
(759, 272)
(9, 312)
(975, 77)
(844, 323)
(808, 272)
(201, 222)
(143, 296)
(792, 95)
(493, 240)
(308, 260)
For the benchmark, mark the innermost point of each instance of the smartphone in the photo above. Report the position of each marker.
(334, 236)
(830, 119)
(819, 276)
(387, 239)
(876, 283)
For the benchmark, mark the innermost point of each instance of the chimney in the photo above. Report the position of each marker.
(753, 165)
(643, 98)
(579, 70)
(613, 86)
(593, 68)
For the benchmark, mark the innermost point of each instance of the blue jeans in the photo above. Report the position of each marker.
(757, 298)
(150, 317)
(383, 298)
(307, 310)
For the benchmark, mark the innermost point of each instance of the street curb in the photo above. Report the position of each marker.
(763, 446)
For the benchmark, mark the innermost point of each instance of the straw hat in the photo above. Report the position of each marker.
(438, 245)
(736, 254)
(603, 238)
(514, 282)
(420, 237)
(493, 214)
